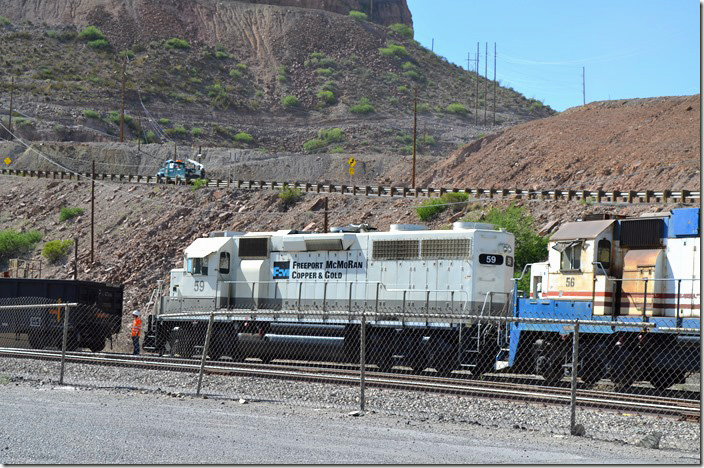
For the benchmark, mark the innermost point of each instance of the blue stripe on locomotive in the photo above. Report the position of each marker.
(577, 310)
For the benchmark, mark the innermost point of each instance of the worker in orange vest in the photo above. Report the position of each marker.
(136, 330)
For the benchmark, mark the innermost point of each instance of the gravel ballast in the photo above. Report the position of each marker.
(623, 428)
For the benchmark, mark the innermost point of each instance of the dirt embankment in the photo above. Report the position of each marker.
(616, 145)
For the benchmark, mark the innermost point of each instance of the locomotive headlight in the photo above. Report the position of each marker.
(507, 248)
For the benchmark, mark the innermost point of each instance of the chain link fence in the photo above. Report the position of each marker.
(626, 378)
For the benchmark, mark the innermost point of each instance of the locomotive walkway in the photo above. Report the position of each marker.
(585, 196)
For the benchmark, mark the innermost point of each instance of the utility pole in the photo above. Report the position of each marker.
(415, 128)
(584, 92)
(494, 123)
(325, 216)
(486, 77)
(122, 108)
(92, 213)
(371, 12)
(432, 46)
(12, 93)
(75, 258)
(476, 96)
(141, 131)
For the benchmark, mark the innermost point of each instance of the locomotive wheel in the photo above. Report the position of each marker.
(441, 356)
(667, 379)
(593, 372)
(384, 362)
(97, 345)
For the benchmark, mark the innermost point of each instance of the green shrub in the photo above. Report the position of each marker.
(535, 105)
(394, 50)
(402, 30)
(406, 150)
(408, 66)
(281, 74)
(323, 71)
(164, 121)
(68, 212)
(220, 55)
(91, 33)
(242, 67)
(176, 43)
(290, 101)
(150, 137)
(358, 15)
(99, 44)
(196, 131)
(362, 107)
(434, 206)
(331, 135)
(456, 108)
(337, 150)
(176, 131)
(428, 140)
(316, 55)
(197, 184)
(126, 53)
(328, 97)
(404, 138)
(57, 250)
(91, 114)
(5, 21)
(423, 108)
(13, 243)
(402, 89)
(329, 86)
(530, 247)
(412, 74)
(244, 137)
(290, 196)
(235, 73)
(314, 145)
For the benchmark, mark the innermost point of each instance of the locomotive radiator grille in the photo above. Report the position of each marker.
(395, 249)
(446, 248)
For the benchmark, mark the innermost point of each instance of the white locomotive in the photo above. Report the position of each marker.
(412, 282)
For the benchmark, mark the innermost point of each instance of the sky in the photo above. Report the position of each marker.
(629, 49)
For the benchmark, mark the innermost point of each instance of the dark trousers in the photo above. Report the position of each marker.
(135, 342)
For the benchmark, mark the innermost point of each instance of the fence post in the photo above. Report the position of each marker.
(64, 343)
(362, 359)
(205, 351)
(575, 358)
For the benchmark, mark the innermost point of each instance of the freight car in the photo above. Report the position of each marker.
(644, 269)
(96, 318)
(412, 281)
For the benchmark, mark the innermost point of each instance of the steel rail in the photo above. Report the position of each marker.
(597, 196)
(483, 389)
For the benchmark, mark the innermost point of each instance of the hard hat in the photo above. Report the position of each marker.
(136, 312)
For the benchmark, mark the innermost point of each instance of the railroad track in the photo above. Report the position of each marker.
(591, 196)
(644, 404)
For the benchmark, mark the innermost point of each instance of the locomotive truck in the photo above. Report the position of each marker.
(412, 282)
(616, 271)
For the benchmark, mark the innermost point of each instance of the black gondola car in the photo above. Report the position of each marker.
(96, 318)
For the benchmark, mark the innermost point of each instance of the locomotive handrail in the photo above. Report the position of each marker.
(601, 323)
(65, 304)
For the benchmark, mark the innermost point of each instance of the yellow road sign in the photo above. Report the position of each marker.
(352, 162)
(8, 161)
(351, 170)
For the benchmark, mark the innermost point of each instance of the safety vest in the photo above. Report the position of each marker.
(136, 326)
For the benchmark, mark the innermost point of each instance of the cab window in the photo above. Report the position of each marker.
(603, 254)
(197, 266)
(570, 258)
(224, 265)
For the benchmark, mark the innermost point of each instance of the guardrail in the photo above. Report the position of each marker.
(589, 196)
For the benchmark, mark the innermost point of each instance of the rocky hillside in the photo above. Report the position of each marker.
(261, 76)
(636, 144)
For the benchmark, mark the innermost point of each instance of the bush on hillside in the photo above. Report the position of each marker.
(358, 15)
(289, 196)
(91, 33)
(362, 107)
(456, 108)
(176, 43)
(68, 212)
(57, 250)
(13, 243)
(402, 30)
(290, 101)
(244, 137)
